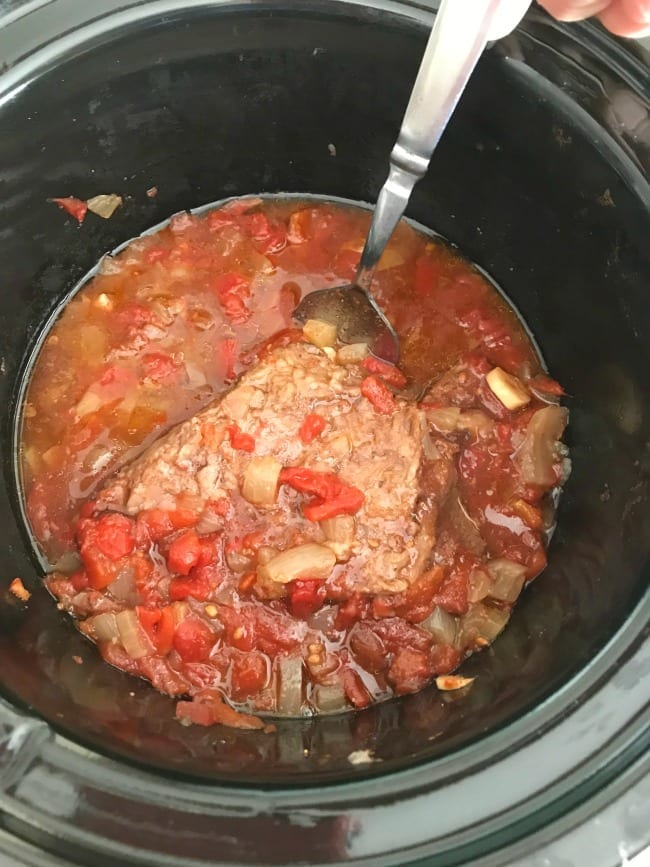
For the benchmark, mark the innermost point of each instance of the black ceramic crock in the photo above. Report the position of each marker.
(540, 179)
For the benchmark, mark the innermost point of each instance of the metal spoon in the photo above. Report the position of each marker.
(461, 31)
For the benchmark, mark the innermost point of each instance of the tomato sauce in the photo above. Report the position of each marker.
(167, 326)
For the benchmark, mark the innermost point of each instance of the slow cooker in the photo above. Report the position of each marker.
(541, 179)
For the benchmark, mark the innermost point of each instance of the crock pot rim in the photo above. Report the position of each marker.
(628, 640)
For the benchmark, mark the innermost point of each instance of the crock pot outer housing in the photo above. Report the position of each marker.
(541, 178)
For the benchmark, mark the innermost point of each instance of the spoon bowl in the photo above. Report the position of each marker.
(357, 317)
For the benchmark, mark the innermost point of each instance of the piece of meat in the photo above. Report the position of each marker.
(381, 455)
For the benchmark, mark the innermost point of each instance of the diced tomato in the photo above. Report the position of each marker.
(114, 536)
(325, 485)
(209, 708)
(236, 310)
(227, 358)
(427, 275)
(312, 426)
(305, 597)
(162, 368)
(184, 553)
(193, 640)
(353, 609)
(232, 283)
(378, 394)
(397, 633)
(368, 648)
(443, 658)
(210, 550)
(249, 675)
(388, 372)
(196, 585)
(159, 624)
(354, 688)
(100, 570)
(333, 497)
(452, 595)
(79, 580)
(409, 671)
(77, 208)
(182, 518)
(157, 523)
(347, 502)
(239, 440)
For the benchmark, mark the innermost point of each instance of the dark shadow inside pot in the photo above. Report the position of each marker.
(235, 100)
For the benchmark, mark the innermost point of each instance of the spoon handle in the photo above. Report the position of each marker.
(461, 30)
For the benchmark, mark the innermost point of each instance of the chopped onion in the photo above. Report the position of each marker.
(289, 685)
(480, 585)
(131, 634)
(453, 681)
(90, 402)
(104, 627)
(538, 452)
(319, 333)
(443, 418)
(304, 561)
(260, 486)
(508, 578)
(481, 624)
(511, 391)
(68, 562)
(329, 698)
(441, 625)
(123, 587)
(475, 421)
(238, 562)
(390, 258)
(339, 532)
(104, 205)
(180, 610)
(431, 453)
(352, 353)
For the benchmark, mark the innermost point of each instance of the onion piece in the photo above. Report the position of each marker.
(339, 532)
(104, 205)
(180, 610)
(260, 485)
(104, 627)
(441, 625)
(123, 587)
(482, 624)
(352, 353)
(509, 390)
(539, 449)
(443, 418)
(319, 333)
(480, 585)
(132, 636)
(304, 561)
(329, 698)
(238, 562)
(453, 681)
(289, 685)
(508, 578)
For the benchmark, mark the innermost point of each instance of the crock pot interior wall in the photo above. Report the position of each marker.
(240, 100)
